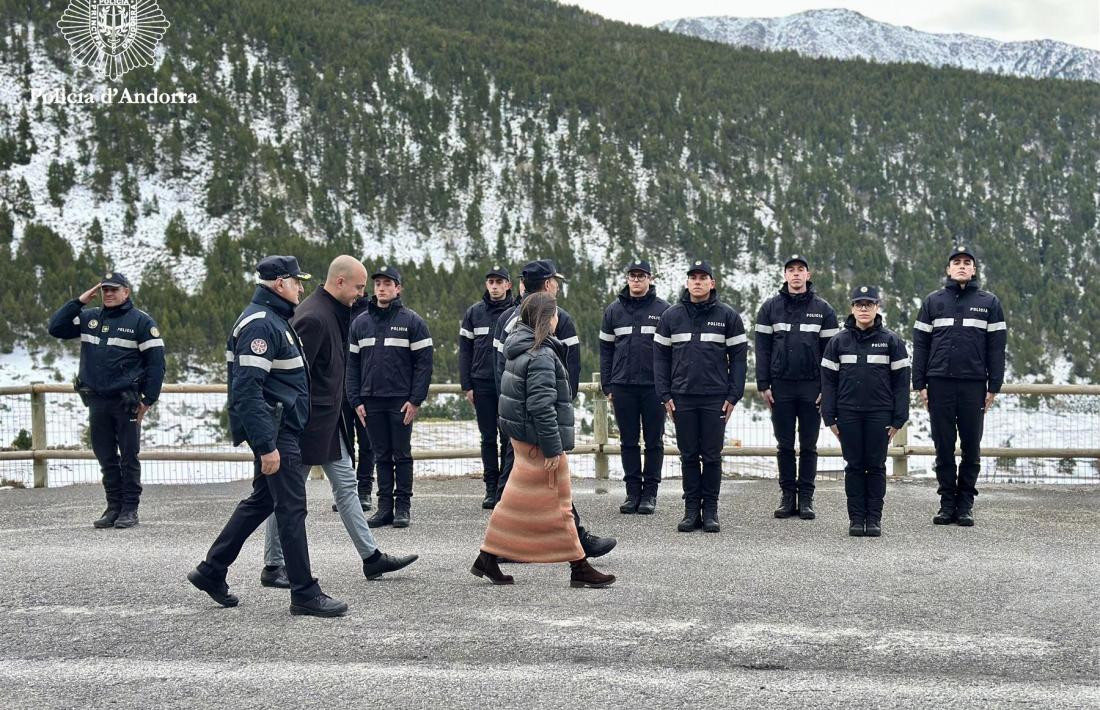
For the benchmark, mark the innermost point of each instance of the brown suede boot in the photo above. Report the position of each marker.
(486, 566)
(582, 574)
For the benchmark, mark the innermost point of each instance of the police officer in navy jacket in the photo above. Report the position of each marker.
(477, 368)
(865, 401)
(269, 390)
(626, 375)
(792, 330)
(388, 372)
(958, 368)
(121, 371)
(699, 365)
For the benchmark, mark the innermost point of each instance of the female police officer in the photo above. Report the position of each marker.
(864, 401)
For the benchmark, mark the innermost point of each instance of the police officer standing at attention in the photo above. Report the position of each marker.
(626, 374)
(388, 373)
(865, 401)
(476, 366)
(792, 331)
(958, 368)
(121, 372)
(269, 407)
(699, 366)
(364, 461)
(537, 276)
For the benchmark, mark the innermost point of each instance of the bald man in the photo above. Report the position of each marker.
(322, 321)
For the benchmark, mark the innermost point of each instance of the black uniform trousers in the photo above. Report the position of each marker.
(638, 410)
(796, 404)
(700, 433)
(283, 493)
(864, 441)
(391, 440)
(364, 462)
(957, 407)
(116, 440)
(485, 407)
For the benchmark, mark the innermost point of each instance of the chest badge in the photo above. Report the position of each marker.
(105, 328)
(93, 324)
(258, 346)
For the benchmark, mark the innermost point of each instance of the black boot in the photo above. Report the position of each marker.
(107, 520)
(965, 518)
(594, 545)
(379, 563)
(806, 507)
(384, 514)
(582, 574)
(786, 505)
(402, 514)
(490, 500)
(274, 577)
(946, 514)
(630, 505)
(321, 605)
(692, 518)
(857, 528)
(647, 505)
(217, 589)
(873, 528)
(364, 501)
(486, 566)
(710, 517)
(128, 518)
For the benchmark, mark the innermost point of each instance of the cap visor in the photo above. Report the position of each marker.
(115, 284)
(303, 277)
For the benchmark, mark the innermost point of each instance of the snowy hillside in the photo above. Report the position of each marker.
(844, 34)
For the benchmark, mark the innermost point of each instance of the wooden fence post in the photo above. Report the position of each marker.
(38, 436)
(599, 434)
(901, 461)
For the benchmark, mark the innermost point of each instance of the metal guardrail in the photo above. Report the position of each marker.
(900, 451)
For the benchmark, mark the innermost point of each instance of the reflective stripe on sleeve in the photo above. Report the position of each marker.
(484, 330)
(829, 332)
(737, 340)
(899, 364)
(570, 342)
(923, 326)
(662, 340)
(827, 363)
(253, 361)
(766, 329)
(607, 337)
(465, 333)
(420, 344)
(229, 357)
(1001, 325)
(245, 321)
(288, 364)
(151, 343)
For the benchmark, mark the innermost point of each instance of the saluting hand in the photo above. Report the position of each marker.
(269, 463)
(88, 295)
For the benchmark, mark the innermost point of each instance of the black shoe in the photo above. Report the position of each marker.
(274, 578)
(806, 508)
(647, 505)
(334, 508)
(107, 520)
(218, 591)
(944, 516)
(128, 518)
(402, 516)
(786, 506)
(856, 529)
(629, 506)
(387, 563)
(381, 517)
(873, 529)
(692, 518)
(710, 518)
(364, 501)
(489, 501)
(965, 519)
(594, 545)
(320, 605)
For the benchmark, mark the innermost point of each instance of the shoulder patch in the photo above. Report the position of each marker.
(154, 331)
(258, 346)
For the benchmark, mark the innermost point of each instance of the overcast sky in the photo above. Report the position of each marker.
(1073, 21)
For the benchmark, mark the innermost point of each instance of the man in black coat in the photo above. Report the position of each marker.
(322, 323)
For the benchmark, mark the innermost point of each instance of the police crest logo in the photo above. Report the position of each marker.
(113, 36)
(155, 332)
(93, 323)
(258, 346)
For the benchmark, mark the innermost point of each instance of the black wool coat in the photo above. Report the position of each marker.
(322, 323)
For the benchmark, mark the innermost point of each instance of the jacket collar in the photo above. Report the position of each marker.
(264, 296)
(376, 310)
(118, 310)
(953, 285)
(850, 324)
(797, 297)
(502, 305)
(712, 299)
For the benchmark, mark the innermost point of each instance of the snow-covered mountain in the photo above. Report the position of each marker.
(844, 34)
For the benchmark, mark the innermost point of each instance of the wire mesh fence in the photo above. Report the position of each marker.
(193, 423)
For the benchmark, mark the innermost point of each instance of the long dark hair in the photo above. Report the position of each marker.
(536, 311)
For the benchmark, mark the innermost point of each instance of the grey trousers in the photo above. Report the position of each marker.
(341, 476)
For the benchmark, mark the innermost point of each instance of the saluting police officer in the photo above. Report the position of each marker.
(699, 366)
(269, 407)
(958, 368)
(121, 372)
(388, 372)
(626, 375)
(792, 330)
(536, 276)
(865, 401)
(476, 367)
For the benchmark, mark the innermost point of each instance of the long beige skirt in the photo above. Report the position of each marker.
(533, 522)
